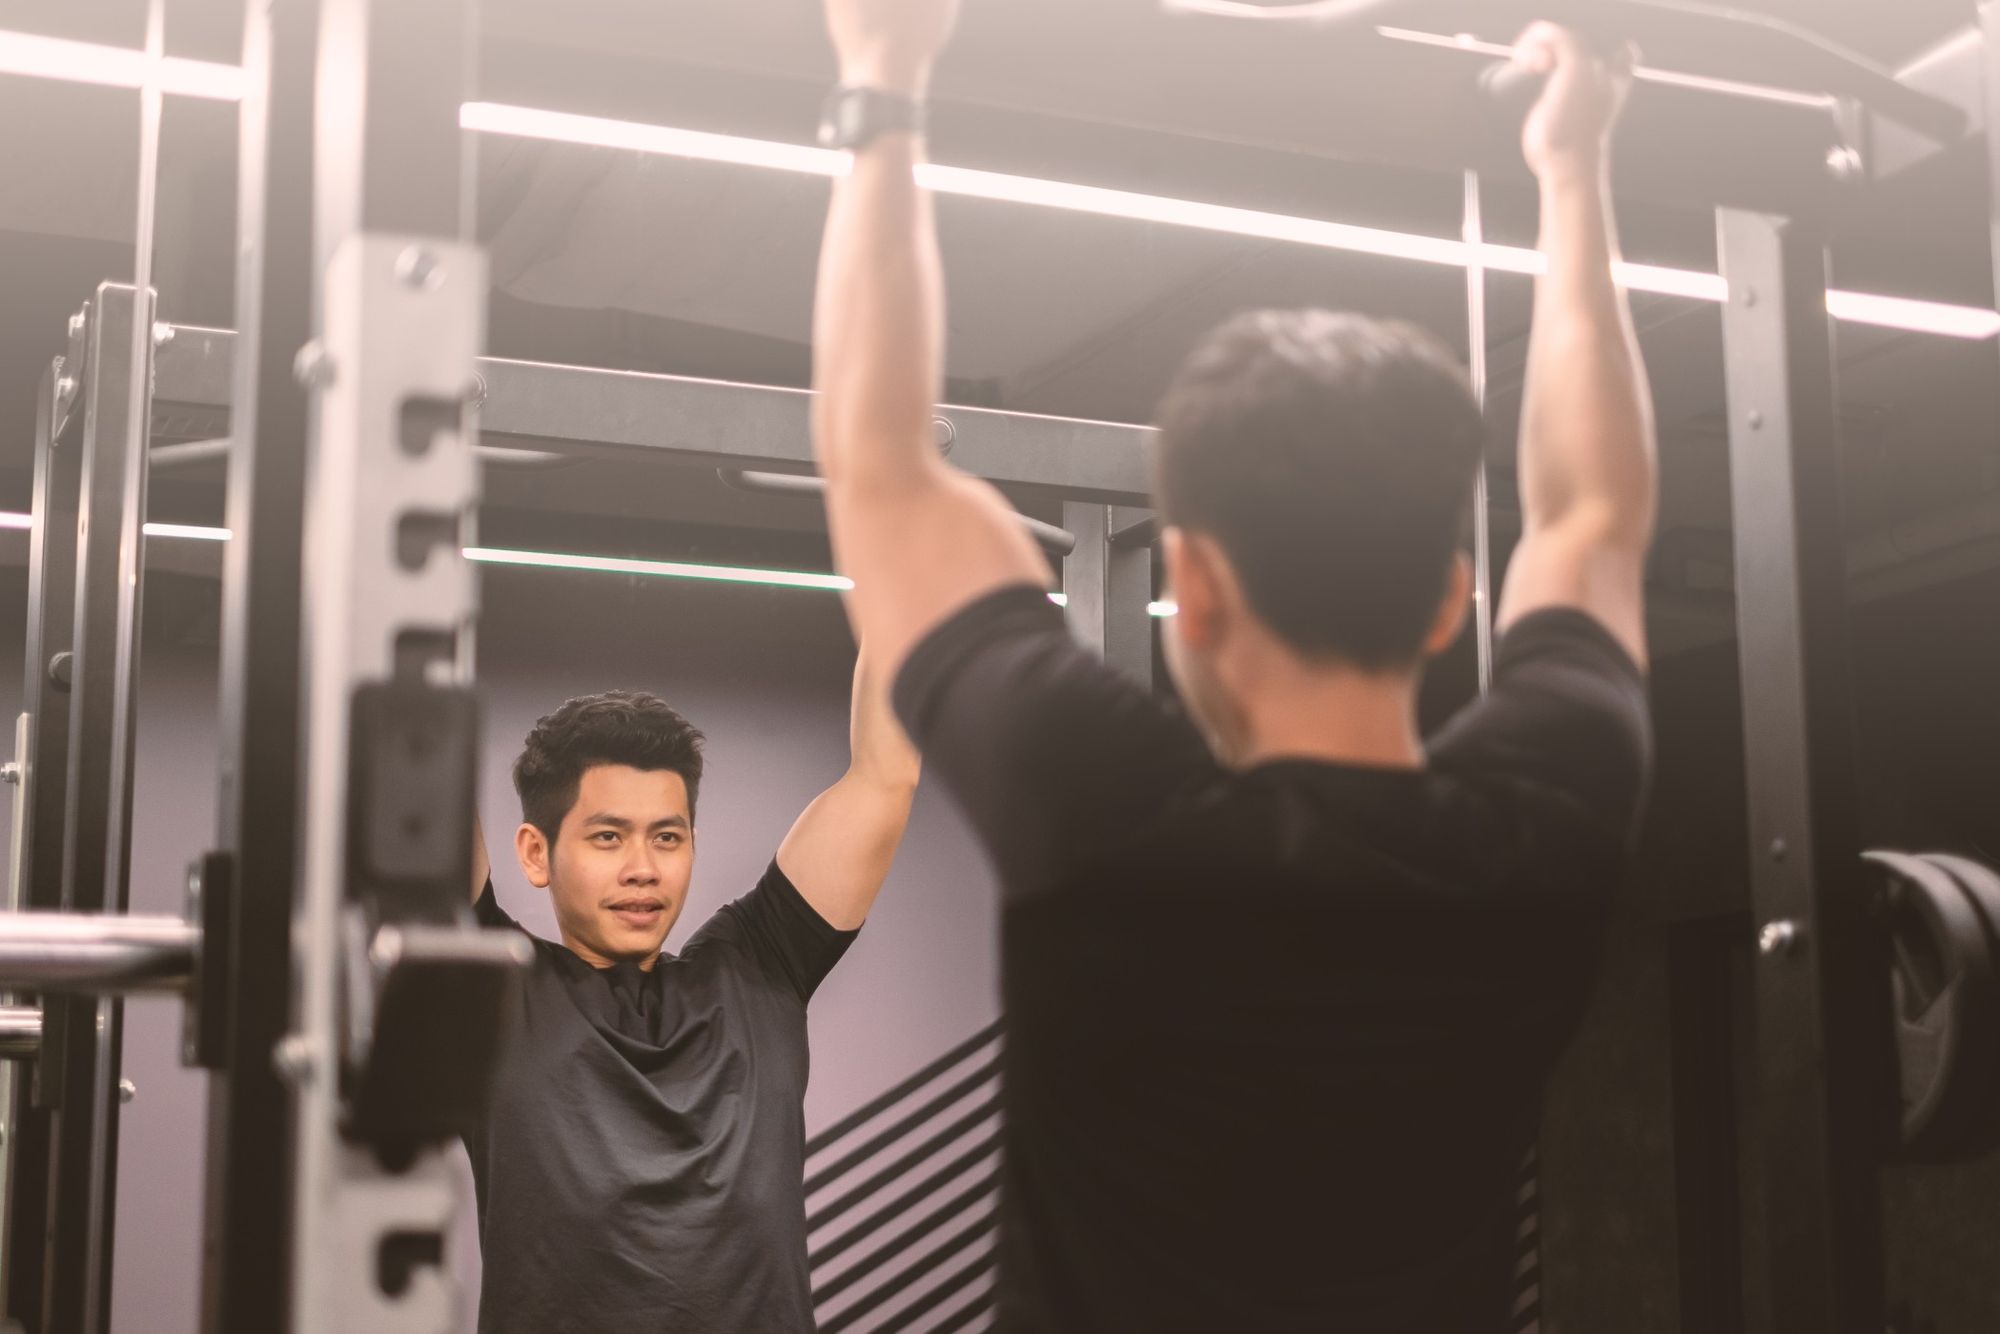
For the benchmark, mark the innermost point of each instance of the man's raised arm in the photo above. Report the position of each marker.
(919, 539)
(840, 850)
(1587, 449)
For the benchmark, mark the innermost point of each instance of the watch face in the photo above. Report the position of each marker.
(853, 116)
(850, 118)
(839, 119)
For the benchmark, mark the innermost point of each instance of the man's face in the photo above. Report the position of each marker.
(619, 871)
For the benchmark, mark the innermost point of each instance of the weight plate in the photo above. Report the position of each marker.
(1947, 1006)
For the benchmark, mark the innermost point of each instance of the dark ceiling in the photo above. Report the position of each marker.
(614, 259)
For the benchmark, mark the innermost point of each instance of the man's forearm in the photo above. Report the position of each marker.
(879, 752)
(1587, 432)
(878, 334)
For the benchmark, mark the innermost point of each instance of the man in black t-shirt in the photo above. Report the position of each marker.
(641, 1163)
(1283, 980)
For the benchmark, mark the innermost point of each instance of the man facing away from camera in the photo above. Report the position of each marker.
(1284, 980)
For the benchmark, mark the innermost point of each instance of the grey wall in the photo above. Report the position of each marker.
(763, 671)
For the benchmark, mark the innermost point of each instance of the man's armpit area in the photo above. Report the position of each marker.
(1568, 709)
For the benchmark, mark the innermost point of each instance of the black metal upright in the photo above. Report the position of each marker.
(1989, 25)
(1108, 581)
(247, 1216)
(82, 1035)
(1702, 1005)
(1826, 1104)
(44, 761)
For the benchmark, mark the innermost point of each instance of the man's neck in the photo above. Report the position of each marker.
(1337, 716)
(599, 961)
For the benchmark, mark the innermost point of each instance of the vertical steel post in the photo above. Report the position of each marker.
(1473, 232)
(1826, 1106)
(44, 770)
(1108, 581)
(1708, 1205)
(1989, 25)
(388, 608)
(81, 1040)
(246, 1222)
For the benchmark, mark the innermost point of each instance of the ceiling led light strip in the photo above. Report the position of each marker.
(1894, 312)
(22, 53)
(116, 67)
(1888, 312)
(601, 565)
(196, 531)
(729, 574)
(187, 530)
(550, 560)
(597, 132)
(1187, 213)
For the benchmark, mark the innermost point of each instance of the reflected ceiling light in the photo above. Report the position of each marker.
(195, 531)
(116, 67)
(552, 560)
(727, 574)
(1887, 312)
(14, 520)
(598, 132)
(1894, 312)
(22, 53)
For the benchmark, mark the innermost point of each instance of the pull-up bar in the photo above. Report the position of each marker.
(1757, 46)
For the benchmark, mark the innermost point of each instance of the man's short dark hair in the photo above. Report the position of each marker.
(627, 727)
(1332, 457)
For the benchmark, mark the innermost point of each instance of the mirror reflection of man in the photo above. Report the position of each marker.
(641, 1163)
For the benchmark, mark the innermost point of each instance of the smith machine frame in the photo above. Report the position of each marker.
(335, 988)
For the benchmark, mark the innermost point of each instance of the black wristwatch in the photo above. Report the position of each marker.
(853, 117)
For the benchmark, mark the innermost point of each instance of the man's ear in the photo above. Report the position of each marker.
(531, 849)
(1196, 585)
(1451, 611)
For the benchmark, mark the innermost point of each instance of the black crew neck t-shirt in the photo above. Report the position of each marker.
(640, 1167)
(1277, 1037)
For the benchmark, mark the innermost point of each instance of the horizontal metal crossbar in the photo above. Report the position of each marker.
(571, 409)
(99, 954)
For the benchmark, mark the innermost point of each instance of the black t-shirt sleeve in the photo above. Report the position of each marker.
(1054, 757)
(1567, 712)
(775, 925)
(487, 909)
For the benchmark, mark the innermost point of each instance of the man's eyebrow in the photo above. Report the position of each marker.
(671, 822)
(607, 818)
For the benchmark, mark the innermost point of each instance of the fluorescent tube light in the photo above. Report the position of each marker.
(551, 560)
(598, 132)
(1894, 312)
(25, 54)
(195, 531)
(1888, 312)
(116, 67)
